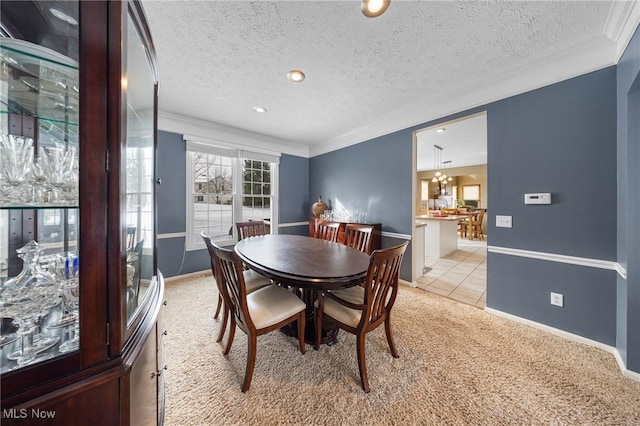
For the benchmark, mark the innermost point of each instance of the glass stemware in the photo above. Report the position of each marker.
(63, 173)
(41, 171)
(71, 305)
(16, 156)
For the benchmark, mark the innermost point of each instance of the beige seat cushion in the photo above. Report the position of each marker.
(272, 304)
(342, 313)
(254, 281)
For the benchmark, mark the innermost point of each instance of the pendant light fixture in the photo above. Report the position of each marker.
(437, 154)
(374, 8)
(440, 166)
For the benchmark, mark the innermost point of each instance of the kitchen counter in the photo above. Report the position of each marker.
(440, 233)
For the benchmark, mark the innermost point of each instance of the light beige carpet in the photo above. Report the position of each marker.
(458, 365)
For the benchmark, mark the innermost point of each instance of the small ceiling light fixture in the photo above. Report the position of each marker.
(441, 129)
(63, 16)
(259, 109)
(295, 76)
(374, 8)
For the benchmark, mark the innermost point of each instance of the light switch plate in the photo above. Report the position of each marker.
(503, 221)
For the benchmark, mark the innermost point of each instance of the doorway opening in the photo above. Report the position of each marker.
(449, 208)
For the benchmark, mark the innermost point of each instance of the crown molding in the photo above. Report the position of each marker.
(623, 19)
(592, 55)
(209, 130)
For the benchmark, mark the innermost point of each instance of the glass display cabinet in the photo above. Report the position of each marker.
(80, 293)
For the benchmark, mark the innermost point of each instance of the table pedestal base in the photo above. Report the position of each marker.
(328, 337)
(330, 331)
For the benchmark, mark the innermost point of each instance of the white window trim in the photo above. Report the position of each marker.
(225, 149)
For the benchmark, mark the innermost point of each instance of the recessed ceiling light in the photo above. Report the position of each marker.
(295, 76)
(440, 130)
(62, 16)
(374, 8)
(260, 109)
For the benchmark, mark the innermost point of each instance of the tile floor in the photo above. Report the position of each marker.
(461, 275)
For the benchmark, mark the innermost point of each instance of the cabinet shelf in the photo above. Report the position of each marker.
(41, 83)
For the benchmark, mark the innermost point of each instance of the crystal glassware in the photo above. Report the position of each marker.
(16, 156)
(71, 305)
(27, 297)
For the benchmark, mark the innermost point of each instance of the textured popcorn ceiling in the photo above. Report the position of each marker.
(365, 77)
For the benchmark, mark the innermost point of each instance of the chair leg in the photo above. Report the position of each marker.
(318, 318)
(232, 332)
(387, 330)
(301, 327)
(251, 361)
(215, 316)
(362, 364)
(223, 327)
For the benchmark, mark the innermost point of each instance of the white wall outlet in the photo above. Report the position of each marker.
(557, 299)
(503, 221)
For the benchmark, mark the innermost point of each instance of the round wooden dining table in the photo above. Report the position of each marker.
(307, 264)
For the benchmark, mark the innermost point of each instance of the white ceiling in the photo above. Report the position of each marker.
(366, 77)
(463, 143)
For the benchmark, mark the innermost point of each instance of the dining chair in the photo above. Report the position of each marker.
(138, 263)
(361, 309)
(259, 312)
(131, 238)
(253, 282)
(464, 226)
(358, 236)
(250, 229)
(328, 231)
(477, 225)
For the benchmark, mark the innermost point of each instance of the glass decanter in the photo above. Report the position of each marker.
(25, 298)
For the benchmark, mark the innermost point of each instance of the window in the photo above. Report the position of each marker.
(225, 186)
(139, 187)
(256, 190)
(471, 192)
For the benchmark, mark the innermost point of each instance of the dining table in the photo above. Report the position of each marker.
(306, 265)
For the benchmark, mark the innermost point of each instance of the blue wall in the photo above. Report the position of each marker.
(628, 300)
(559, 139)
(373, 177)
(173, 259)
(294, 201)
(578, 139)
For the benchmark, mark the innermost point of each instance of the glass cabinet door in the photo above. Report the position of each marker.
(139, 88)
(39, 169)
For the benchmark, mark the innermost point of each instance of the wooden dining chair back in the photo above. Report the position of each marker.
(131, 238)
(138, 265)
(328, 231)
(259, 312)
(358, 236)
(361, 309)
(477, 225)
(250, 229)
(464, 226)
(221, 298)
(253, 281)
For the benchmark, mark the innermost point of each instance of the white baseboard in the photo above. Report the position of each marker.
(572, 337)
(189, 275)
(408, 283)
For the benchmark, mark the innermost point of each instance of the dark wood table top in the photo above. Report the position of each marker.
(304, 262)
